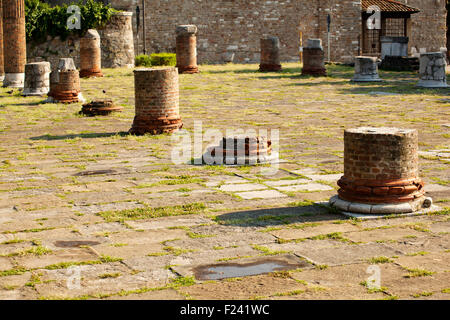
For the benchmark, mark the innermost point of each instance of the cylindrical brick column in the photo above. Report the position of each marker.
(366, 69)
(270, 54)
(14, 43)
(381, 172)
(37, 79)
(187, 49)
(157, 101)
(314, 59)
(432, 70)
(2, 68)
(65, 83)
(90, 55)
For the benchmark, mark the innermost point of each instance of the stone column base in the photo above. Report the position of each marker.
(366, 78)
(35, 92)
(269, 67)
(317, 72)
(432, 84)
(90, 74)
(143, 125)
(14, 80)
(189, 69)
(382, 208)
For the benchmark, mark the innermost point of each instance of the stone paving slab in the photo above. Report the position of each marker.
(168, 294)
(168, 222)
(431, 243)
(434, 261)
(347, 254)
(5, 264)
(307, 232)
(264, 194)
(384, 234)
(279, 183)
(432, 187)
(310, 187)
(440, 227)
(67, 255)
(241, 187)
(325, 177)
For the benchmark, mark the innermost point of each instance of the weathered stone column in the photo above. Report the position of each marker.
(65, 83)
(14, 43)
(37, 79)
(366, 69)
(187, 49)
(432, 70)
(117, 41)
(157, 101)
(381, 172)
(90, 55)
(314, 59)
(270, 54)
(2, 68)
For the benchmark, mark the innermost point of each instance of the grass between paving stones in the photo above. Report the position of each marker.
(150, 212)
(414, 273)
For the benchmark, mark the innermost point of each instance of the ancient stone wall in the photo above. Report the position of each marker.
(429, 26)
(116, 45)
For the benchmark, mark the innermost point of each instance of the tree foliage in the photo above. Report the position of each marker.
(43, 20)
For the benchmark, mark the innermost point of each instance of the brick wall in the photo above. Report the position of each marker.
(429, 26)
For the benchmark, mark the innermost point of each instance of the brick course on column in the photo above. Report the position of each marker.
(14, 42)
(2, 69)
(90, 55)
(186, 47)
(156, 101)
(65, 83)
(270, 54)
(381, 166)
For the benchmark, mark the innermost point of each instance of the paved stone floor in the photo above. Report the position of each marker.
(89, 212)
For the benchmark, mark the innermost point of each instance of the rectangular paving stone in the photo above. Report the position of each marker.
(264, 194)
(347, 253)
(278, 183)
(66, 255)
(433, 261)
(383, 234)
(5, 264)
(305, 187)
(325, 177)
(168, 222)
(241, 187)
(307, 232)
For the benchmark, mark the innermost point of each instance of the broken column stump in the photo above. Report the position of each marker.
(65, 83)
(270, 54)
(240, 150)
(314, 59)
(15, 50)
(157, 101)
(381, 172)
(432, 70)
(186, 48)
(37, 79)
(100, 108)
(366, 69)
(90, 55)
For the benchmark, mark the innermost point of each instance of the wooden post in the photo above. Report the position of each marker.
(300, 51)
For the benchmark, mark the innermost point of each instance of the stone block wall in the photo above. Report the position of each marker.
(429, 25)
(116, 44)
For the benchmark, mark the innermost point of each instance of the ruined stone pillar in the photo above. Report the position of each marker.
(366, 69)
(2, 68)
(432, 70)
(314, 59)
(157, 101)
(90, 55)
(381, 172)
(37, 79)
(187, 49)
(14, 41)
(65, 83)
(270, 54)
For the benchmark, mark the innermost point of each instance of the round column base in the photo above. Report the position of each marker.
(90, 74)
(14, 80)
(270, 67)
(188, 69)
(143, 125)
(35, 92)
(381, 208)
(65, 97)
(366, 78)
(432, 84)
(316, 72)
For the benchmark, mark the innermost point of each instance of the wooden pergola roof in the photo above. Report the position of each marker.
(388, 6)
